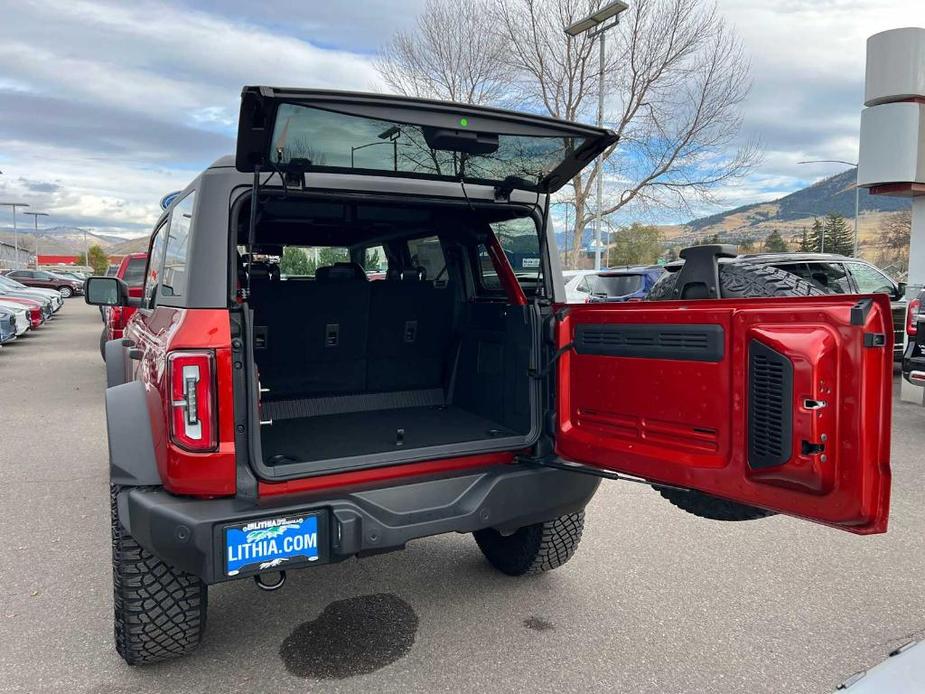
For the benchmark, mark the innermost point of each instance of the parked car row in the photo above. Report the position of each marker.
(827, 272)
(66, 285)
(24, 308)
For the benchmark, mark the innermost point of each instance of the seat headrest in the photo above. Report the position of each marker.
(415, 274)
(263, 271)
(339, 272)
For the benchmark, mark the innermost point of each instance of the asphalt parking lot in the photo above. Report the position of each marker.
(654, 601)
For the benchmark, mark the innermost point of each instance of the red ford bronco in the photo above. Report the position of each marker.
(272, 408)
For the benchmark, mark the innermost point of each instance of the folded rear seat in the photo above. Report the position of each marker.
(314, 333)
(409, 333)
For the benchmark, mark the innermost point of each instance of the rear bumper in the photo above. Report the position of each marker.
(187, 533)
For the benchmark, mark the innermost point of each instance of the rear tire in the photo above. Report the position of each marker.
(737, 280)
(103, 336)
(535, 548)
(160, 612)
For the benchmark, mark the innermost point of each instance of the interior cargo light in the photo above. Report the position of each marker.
(191, 375)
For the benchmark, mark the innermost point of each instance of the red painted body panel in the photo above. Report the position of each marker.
(118, 316)
(383, 474)
(164, 329)
(685, 422)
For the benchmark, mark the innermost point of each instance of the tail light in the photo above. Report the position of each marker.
(912, 317)
(35, 317)
(193, 409)
(115, 317)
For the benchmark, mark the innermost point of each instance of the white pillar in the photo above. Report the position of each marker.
(909, 392)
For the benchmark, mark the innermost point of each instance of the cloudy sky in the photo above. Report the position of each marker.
(106, 106)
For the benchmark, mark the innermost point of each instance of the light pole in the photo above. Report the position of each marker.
(857, 194)
(35, 220)
(14, 205)
(593, 24)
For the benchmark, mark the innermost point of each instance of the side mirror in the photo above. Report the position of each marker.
(105, 291)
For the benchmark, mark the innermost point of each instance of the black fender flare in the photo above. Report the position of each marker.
(132, 461)
(118, 364)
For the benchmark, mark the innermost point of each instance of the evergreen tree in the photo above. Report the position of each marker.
(817, 237)
(775, 243)
(747, 246)
(839, 237)
(806, 243)
(294, 262)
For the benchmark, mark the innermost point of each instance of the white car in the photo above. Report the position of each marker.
(573, 282)
(22, 320)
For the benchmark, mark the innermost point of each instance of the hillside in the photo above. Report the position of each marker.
(792, 213)
(62, 240)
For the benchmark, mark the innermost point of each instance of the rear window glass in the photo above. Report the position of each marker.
(135, 272)
(338, 140)
(614, 285)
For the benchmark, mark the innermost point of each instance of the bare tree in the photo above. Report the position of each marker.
(451, 54)
(675, 81)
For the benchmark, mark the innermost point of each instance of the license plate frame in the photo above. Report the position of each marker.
(274, 543)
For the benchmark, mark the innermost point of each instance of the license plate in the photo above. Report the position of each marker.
(272, 544)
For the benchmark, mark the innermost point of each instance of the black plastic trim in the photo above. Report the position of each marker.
(652, 341)
(186, 532)
(860, 310)
(131, 447)
(699, 276)
(770, 407)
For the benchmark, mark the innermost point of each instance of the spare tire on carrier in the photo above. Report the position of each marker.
(736, 280)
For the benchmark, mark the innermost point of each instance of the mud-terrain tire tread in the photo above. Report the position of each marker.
(160, 612)
(103, 336)
(711, 507)
(741, 280)
(737, 280)
(535, 548)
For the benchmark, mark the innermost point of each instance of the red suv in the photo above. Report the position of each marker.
(130, 270)
(270, 408)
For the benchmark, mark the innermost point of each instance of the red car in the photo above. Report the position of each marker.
(259, 424)
(131, 271)
(33, 308)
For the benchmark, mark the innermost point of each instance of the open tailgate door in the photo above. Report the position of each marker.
(783, 404)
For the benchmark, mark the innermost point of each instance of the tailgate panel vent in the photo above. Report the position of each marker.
(656, 341)
(770, 407)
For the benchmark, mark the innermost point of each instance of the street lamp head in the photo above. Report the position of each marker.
(14, 204)
(37, 214)
(596, 19)
(390, 134)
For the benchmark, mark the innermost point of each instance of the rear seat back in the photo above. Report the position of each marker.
(340, 333)
(315, 333)
(409, 333)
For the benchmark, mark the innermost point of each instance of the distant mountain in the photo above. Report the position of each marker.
(60, 240)
(791, 213)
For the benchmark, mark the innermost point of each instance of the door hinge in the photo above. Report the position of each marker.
(874, 340)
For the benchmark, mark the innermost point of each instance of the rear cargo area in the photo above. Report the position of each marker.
(359, 371)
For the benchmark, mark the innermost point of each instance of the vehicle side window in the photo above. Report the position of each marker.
(829, 277)
(173, 280)
(520, 241)
(427, 253)
(23, 274)
(583, 286)
(155, 255)
(41, 275)
(870, 280)
(134, 272)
